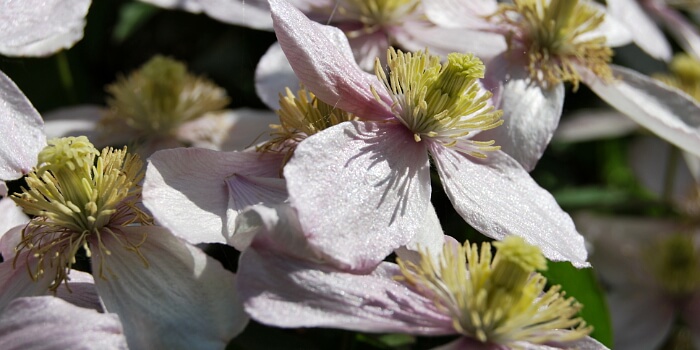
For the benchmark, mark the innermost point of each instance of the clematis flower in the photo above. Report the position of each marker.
(166, 292)
(40, 27)
(652, 268)
(553, 42)
(162, 105)
(361, 187)
(488, 302)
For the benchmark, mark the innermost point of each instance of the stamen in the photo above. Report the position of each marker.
(375, 15)
(499, 300)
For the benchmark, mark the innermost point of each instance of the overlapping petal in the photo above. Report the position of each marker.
(248, 13)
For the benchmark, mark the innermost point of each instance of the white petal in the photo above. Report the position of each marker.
(244, 191)
(685, 32)
(22, 129)
(15, 281)
(499, 198)
(641, 319)
(40, 27)
(80, 291)
(650, 157)
(429, 239)
(663, 110)
(12, 216)
(442, 41)
(181, 298)
(459, 14)
(594, 124)
(248, 13)
(361, 190)
(82, 120)
(272, 75)
(645, 33)
(186, 191)
(231, 130)
(46, 323)
(614, 31)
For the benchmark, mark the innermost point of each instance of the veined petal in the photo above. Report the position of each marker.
(182, 298)
(645, 33)
(594, 124)
(460, 14)
(324, 69)
(530, 112)
(361, 190)
(249, 13)
(44, 323)
(272, 75)
(641, 319)
(22, 127)
(40, 27)
(186, 191)
(663, 110)
(15, 281)
(368, 47)
(12, 216)
(80, 291)
(442, 41)
(244, 191)
(499, 198)
(231, 130)
(314, 295)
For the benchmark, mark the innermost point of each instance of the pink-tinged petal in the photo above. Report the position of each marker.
(12, 216)
(430, 239)
(530, 113)
(244, 191)
(232, 130)
(181, 298)
(3, 189)
(361, 190)
(615, 31)
(685, 32)
(10, 239)
(442, 41)
(650, 159)
(22, 127)
(272, 75)
(82, 120)
(460, 14)
(323, 67)
(186, 189)
(585, 343)
(368, 47)
(15, 281)
(40, 27)
(80, 291)
(594, 124)
(247, 13)
(47, 323)
(663, 110)
(284, 292)
(645, 33)
(641, 319)
(499, 198)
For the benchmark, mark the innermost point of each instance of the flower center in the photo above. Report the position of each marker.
(158, 98)
(300, 117)
(77, 192)
(443, 102)
(376, 14)
(499, 300)
(675, 262)
(556, 37)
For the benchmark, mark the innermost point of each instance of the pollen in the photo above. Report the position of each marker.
(500, 299)
(301, 116)
(439, 101)
(157, 98)
(555, 36)
(77, 193)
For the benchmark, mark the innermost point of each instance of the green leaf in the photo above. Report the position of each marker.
(583, 285)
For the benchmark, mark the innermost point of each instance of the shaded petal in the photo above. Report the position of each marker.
(645, 33)
(442, 41)
(181, 298)
(679, 27)
(232, 130)
(594, 124)
(460, 14)
(499, 198)
(12, 216)
(82, 120)
(323, 67)
(641, 319)
(15, 281)
(530, 113)
(186, 191)
(663, 110)
(244, 191)
(22, 128)
(272, 75)
(40, 27)
(44, 323)
(361, 190)
(368, 47)
(430, 238)
(615, 31)
(249, 13)
(650, 159)
(285, 292)
(80, 291)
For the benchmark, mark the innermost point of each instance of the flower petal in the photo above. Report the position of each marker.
(186, 191)
(663, 110)
(594, 124)
(284, 292)
(272, 75)
(181, 298)
(81, 120)
(231, 130)
(23, 136)
(361, 190)
(442, 41)
(248, 13)
(80, 291)
(650, 159)
(615, 32)
(323, 67)
(460, 14)
(44, 323)
(498, 198)
(12, 216)
(641, 319)
(244, 191)
(645, 33)
(15, 281)
(40, 27)
(685, 32)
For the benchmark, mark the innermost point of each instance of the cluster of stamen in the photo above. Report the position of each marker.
(500, 300)
(440, 101)
(555, 35)
(75, 194)
(675, 262)
(300, 117)
(376, 14)
(156, 99)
